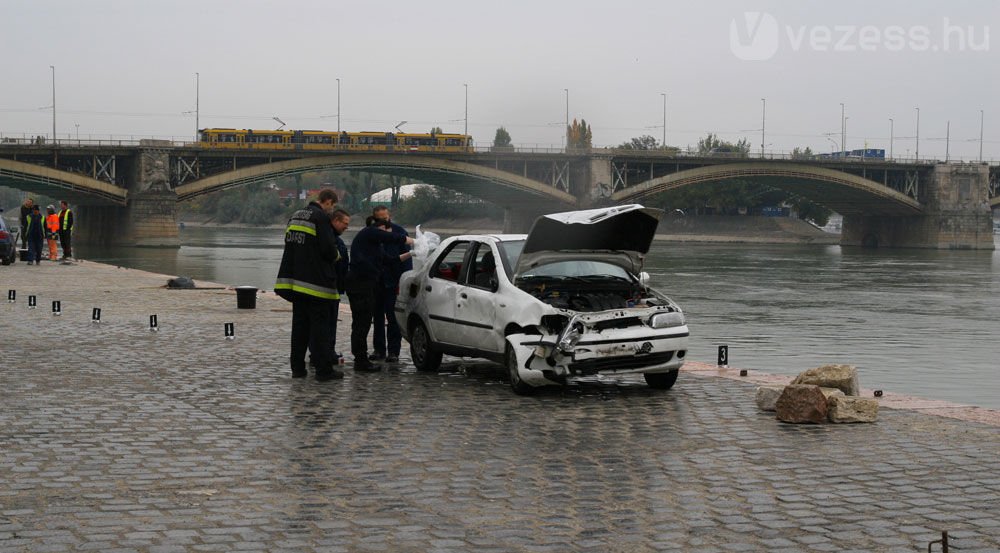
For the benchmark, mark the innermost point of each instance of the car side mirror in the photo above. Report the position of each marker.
(644, 278)
(494, 284)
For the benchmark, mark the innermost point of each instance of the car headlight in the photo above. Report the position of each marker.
(570, 335)
(667, 320)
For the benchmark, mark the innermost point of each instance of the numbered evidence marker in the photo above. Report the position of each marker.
(32, 302)
(153, 325)
(230, 331)
(95, 317)
(57, 308)
(723, 356)
(11, 296)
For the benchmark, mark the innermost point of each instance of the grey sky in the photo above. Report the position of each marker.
(127, 68)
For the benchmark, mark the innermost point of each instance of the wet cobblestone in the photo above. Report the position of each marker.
(115, 438)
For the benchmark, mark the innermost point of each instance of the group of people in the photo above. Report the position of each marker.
(56, 228)
(317, 269)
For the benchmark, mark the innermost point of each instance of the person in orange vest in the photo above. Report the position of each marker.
(66, 229)
(52, 232)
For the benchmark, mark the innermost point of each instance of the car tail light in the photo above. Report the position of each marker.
(4, 234)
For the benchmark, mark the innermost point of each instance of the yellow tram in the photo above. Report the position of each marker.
(329, 140)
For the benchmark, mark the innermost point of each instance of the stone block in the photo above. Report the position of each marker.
(801, 403)
(842, 377)
(852, 409)
(767, 396)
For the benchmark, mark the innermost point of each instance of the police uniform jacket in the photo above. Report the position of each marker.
(342, 264)
(307, 264)
(367, 256)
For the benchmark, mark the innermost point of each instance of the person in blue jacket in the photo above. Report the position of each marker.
(36, 235)
(340, 220)
(387, 339)
(367, 258)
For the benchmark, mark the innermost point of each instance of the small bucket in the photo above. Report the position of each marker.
(246, 297)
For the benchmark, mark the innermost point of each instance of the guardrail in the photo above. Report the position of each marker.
(174, 142)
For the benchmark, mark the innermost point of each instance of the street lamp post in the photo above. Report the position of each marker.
(338, 106)
(890, 137)
(763, 119)
(947, 141)
(981, 118)
(77, 132)
(566, 90)
(466, 108)
(916, 154)
(664, 143)
(53, 103)
(843, 129)
(197, 106)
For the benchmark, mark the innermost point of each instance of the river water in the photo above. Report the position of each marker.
(920, 322)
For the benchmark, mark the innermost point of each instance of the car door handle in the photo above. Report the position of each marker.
(428, 288)
(464, 296)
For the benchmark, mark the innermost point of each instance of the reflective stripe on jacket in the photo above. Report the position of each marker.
(66, 216)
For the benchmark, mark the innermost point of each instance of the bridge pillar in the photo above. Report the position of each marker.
(957, 215)
(149, 218)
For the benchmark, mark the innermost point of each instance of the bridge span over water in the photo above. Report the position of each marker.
(884, 203)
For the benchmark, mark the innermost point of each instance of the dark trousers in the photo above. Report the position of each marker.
(362, 298)
(34, 249)
(384, 322)
(310, 330)
(334, 318)
(24, 237)
(66, 237)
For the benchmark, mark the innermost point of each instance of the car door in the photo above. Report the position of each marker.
(441, 292)
(475, 306)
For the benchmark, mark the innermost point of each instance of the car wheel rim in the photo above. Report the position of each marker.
(420, 345)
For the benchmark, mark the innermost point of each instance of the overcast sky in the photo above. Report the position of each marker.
(127, 68)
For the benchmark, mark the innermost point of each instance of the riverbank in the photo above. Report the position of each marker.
(183, 440)
(706, 228)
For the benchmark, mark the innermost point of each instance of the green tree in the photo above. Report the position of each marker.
(712, 144)
(802, 153)
(646, 142)
(436, 130)
(579, 135)
(502, 138)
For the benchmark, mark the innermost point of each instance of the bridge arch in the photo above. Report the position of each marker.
(507, 189)
(60, 184)
(842, 192)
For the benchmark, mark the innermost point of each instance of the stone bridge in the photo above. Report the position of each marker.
(128, 192)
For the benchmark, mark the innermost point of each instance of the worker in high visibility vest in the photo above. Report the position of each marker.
(36, 234)
(52, 232)
(66, 229)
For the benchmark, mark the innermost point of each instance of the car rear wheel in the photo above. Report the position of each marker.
(422, 351)
(514, 375)
(661, 381)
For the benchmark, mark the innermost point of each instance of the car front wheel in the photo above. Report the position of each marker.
(425, 357)
(661, 381)
(514, 375)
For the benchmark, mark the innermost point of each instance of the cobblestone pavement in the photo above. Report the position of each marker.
(114, 438)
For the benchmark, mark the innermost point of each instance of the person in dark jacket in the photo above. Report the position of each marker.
(367, 257)
(340, 220)
(307, 278)
(387, 339)
(25, 213)
(36, 235)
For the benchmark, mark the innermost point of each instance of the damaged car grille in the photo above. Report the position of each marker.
(593, 366)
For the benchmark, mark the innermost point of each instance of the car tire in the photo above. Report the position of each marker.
(422, 351)
(661, 381)
(5, 261)
(513, 374)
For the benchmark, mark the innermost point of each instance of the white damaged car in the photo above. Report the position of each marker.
(568, 299)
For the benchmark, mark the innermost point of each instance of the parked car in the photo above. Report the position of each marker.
(568, 299)
(8, 243)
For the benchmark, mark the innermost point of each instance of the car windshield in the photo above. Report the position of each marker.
(578, 269)
(511, 251)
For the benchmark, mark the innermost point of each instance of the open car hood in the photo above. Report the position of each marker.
(620, 235)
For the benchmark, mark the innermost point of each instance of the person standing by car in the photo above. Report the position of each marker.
(387, 339)
(25, 213)
(367, 257)
(52, 232)
(36, 235)
(306, 278)
(66, 230)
